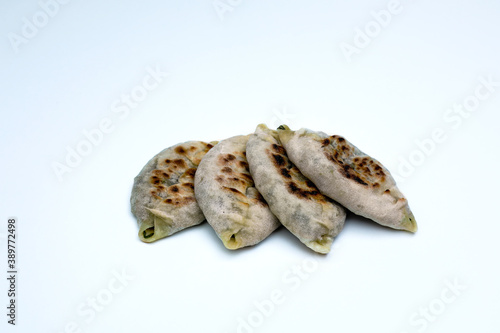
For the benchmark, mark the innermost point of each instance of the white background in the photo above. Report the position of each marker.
(260, 62)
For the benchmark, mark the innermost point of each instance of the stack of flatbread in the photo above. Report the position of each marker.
(249, 185)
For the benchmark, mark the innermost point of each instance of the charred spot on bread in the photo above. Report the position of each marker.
(180, 163)
(179, 201)
(226, 159)
(259, 198)
(296, 190)
(180, 150)
(353, 164)
(232, 189)
(279, 160)
(296, 183)
(243, 164)
(190, 172)
(359, 180)
(242, 197)
(226, 170)
(310, 184)
(285, 173)
(278, 149)
(246, 176)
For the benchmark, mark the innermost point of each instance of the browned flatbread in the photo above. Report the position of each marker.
(162, 197)
(312, 217)
(352, 178)
(231, 204)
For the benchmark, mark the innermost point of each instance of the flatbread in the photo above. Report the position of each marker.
(226, 194)
(162, 197)
(312, 217)
(347, 175)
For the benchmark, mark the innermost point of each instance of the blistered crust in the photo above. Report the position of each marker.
(162, 197)
(234, 177)
(295, 183)
(354, 164)
(312, 217)
(228, 198)
(344, 173)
